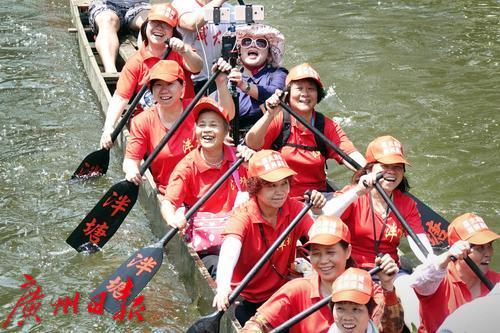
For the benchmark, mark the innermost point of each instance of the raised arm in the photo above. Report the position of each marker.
(192, 60)
(256, 135)
(194, 20)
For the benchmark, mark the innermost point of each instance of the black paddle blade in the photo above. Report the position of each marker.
(207, 324)
(105, 218)
(435, 226)
(129, 279)
(94, 165)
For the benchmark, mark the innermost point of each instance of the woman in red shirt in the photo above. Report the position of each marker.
(253, 228)
(166, 82)
(329, 242)
(195, 174)
(160, 25)
(304, 91)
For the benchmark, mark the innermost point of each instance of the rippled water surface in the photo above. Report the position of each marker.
(425, 72)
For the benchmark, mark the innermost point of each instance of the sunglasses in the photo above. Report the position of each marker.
(260, 43)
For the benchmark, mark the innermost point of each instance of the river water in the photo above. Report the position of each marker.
(426, 73)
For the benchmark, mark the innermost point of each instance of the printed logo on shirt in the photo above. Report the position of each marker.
(392, 231)
(187, 145)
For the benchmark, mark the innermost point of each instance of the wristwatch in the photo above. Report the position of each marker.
(247, 88)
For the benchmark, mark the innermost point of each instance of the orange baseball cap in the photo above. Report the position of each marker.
(471, 228)
(207, 103)
(165, 13)
(328, 230)
(303, 71)
(166, 70)
(354, 285)
(386, 150)
(269, 165)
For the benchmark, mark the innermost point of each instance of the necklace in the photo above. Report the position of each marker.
(216, 165)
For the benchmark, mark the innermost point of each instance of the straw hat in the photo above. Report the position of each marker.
(272, 35)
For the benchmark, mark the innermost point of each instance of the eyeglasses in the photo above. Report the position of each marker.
(260, 43)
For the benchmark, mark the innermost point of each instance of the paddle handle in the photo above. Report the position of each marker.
(125, 118)
(177, 123)
(203, 199)
(250, 275)
(306, 313)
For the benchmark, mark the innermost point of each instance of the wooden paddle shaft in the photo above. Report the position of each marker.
(136, 100)
(177, 123)
(204, 199)
(306, 313)
(250, 275)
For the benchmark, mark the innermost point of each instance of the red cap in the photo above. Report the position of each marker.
(386, 150)
(470, 227)
(269, 165)
(328, 230)
(165, 13)
(354, 285)
(303, 71)
(166, 70)
(207, 103)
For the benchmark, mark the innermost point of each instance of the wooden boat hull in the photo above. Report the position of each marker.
(199, 285)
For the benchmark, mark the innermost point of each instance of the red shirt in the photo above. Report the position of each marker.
(137, 68)
(451, 294)
(358, 217)
(300, 294)
(309, 165)
(244, 225)
(146, 131)
(193, 177)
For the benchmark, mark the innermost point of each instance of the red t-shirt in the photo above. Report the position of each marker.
(450, 295)
(358, 217)
(146, 131)
(138, 66)
(244, 225)
(309, 165)
(193, 177)
(300, 294)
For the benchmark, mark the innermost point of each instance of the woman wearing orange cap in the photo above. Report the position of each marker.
(253, 228)
(195, 174)
(166, 82)
(261, 49)
(353, 304)
(329, 242)
(160, 26)
(302, 150)
(442, 284)
(374, 226)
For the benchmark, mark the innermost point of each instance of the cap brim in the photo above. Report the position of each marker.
(303, 77)
(161, 18)
(324, 239)
(351, 296)
(483, 237)
(393, 159)
(278, 174)
(207, 106)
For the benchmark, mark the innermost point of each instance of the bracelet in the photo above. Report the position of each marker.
(247, 88)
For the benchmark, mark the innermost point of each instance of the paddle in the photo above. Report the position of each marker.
(307, 312)
(145, 262)
(96, 163)
(210, 323)
(105, 218)
(386, 198)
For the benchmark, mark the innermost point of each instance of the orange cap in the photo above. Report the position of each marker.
(165, 13)
(386, 150)
(303, 71)
(166, 70)
(354, 285)
(269, 165)
(328, 230)
(471, 228)
(207, 103)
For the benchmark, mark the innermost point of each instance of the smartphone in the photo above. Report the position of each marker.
(217, 15)
(255, 14)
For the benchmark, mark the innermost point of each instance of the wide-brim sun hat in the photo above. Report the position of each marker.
(274, 37)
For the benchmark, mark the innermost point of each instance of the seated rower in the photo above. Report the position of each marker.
(195, 174)
(302, 150)
(330, 248)
(166, 82)
(253, 228)
(159, 26)
(442, 285)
